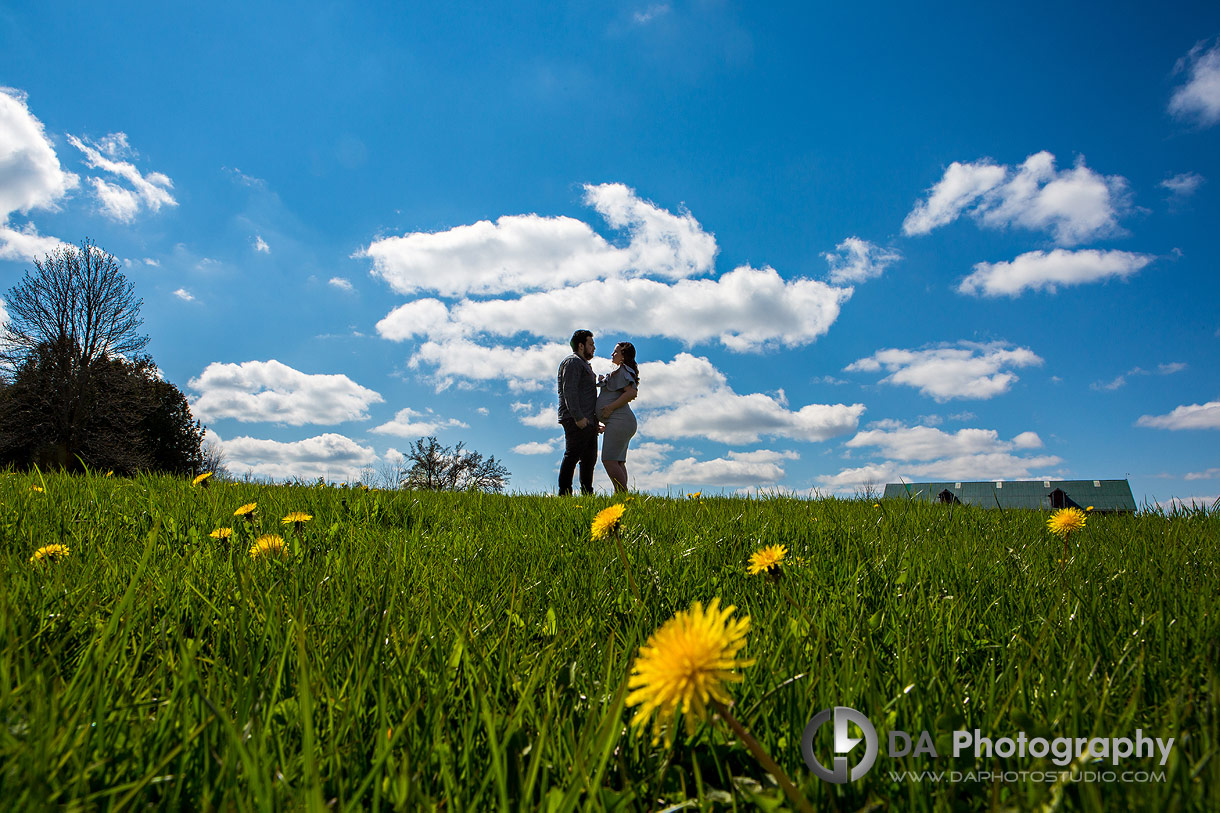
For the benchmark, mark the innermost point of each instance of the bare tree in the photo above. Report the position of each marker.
(77, 302)
(69, 321)
(441, 468)
(214, 459)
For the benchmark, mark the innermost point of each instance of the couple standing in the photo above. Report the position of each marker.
(584, 414)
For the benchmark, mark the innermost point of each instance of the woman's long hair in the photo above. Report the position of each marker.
(628, 351)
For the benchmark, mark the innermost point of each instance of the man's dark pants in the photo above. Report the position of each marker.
(580, 446)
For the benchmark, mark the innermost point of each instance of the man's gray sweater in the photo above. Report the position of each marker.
(577, 390)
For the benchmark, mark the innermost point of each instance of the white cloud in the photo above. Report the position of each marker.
(331, 456)
(992, 466)
(928, 443)
(1199, 98)
(1189, 503)
(545, 418)
(856, 260)
(461, 360)
(411, 423)
(1161, 369)
(1210, 474)
(649, 468)
(341, 283)
(1187, 416)
(260, 245)
(1073, 205)
(1037, 270)
(926, 453)
(534, 447)
(651, 13)
(274, 392)
(746, 309)
(961, 186)
(26, 243)
(184, 295)
(969, 370)
(1183, 184)
(726, 417)
(761, 467)
(531, 252)
(30, 177)
(120, 203)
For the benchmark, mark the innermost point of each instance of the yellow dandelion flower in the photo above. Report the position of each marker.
(110, 473)
(684, 666)
(37, 489)
(50, 553)
(1066, 520)
(268, 545)
(607, 520)
(202, 479)
(246, 511)
(296, 518)
(767, 558)
(695, 496)
(221, 533)
(876, 505)
(1090, 508)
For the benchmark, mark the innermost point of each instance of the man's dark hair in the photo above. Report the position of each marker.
(579, 337)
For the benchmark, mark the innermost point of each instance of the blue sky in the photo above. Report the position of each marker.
(851, 244)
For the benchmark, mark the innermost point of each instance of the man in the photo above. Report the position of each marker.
(577, 414)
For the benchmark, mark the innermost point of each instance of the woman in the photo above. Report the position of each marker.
(618, 390)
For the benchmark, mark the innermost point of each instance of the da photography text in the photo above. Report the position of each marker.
(1062, 751)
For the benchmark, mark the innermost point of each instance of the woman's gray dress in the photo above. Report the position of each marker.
(620, 427)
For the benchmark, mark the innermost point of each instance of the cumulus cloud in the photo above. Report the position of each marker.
(927, 453)
(260, 245)
(341, 283)
(545, 418)
(1210, 474)
(535, 447)
(1199, 98)
(532, 252)
(561, 273)
(945, 372)
(184, 295)
(30, 177)
(123, 203)
(746, 309)
(1073, 205)
(1183, 184)
(1039, 270)
(331, 456)
(856, 260)
(727, 417)
(467, 363)
(651, 468)
(928, 443)
(411, 423)
(1187, 416)
(274, 392)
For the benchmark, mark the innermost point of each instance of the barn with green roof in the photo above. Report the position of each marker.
(1104, 496)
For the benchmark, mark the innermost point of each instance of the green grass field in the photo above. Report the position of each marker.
(425, 651)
